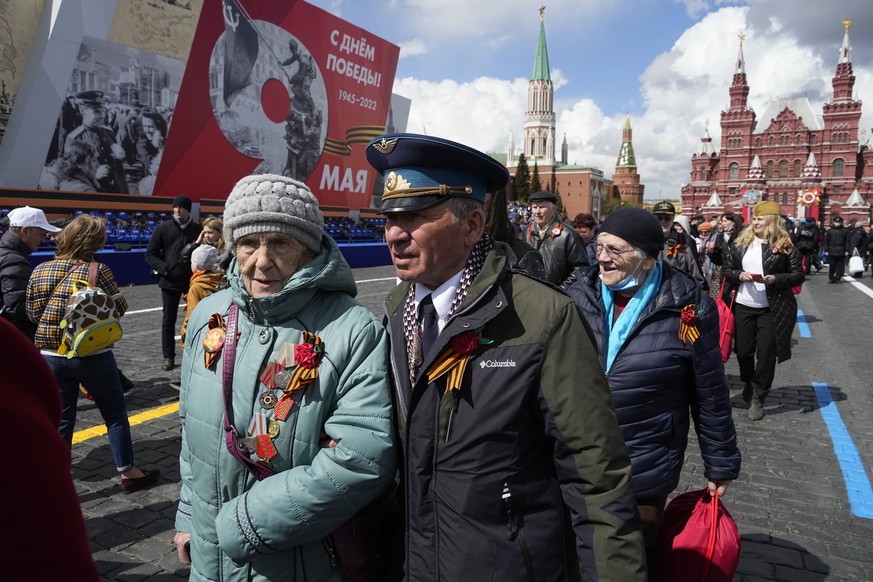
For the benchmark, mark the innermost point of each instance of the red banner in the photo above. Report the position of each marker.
(282, 88)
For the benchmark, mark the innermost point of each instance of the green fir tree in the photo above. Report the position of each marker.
(522, 180)
(535, 184)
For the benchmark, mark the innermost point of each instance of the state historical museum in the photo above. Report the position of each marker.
(812, 165)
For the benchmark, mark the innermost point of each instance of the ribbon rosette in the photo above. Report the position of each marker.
(453, 360)
(307, 357)
(688, 319)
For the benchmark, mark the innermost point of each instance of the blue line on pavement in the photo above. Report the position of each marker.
(857, 482)
(802, 326)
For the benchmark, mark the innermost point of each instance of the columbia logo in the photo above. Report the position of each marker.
(497, 364)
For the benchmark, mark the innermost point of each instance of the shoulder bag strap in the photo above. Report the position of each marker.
(92, 274)
(231, 437)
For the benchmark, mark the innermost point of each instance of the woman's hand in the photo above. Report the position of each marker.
(720, 486)
(182, 540)
(746, 277)
(769, 279)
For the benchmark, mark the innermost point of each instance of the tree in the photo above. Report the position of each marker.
(535, 184)
(559, 205)
(521, 181)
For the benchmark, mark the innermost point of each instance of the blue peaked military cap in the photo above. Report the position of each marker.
(421, 171)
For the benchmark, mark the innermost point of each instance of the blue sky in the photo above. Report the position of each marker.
(666, 63)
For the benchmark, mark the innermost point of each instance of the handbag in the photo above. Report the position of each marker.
(725, 322)
(698, 541)
(856, 263)
(360, 545)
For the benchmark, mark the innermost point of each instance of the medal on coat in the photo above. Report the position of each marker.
(267, 399)
(214, 340)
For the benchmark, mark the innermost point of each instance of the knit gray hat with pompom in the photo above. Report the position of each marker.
(270, 203)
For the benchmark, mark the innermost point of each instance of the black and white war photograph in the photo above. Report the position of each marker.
(113, 121)
(268, 96)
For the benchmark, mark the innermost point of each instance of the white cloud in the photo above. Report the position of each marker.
(680, 90)
(412, 48)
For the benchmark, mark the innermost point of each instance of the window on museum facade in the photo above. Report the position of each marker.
(797, 168)
(734, 171)
(783, 169)
(757, 142)
(812, 139)
(785, 198)
(838, 168)
(772, 140)
(732, 191)
(769, 173)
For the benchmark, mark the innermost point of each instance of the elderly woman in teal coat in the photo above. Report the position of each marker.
(286, 370)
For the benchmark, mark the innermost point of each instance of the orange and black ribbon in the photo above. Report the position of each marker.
(688, 331)
(301, 377)
(214, 340)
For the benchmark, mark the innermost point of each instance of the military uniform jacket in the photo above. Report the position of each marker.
(522, 474)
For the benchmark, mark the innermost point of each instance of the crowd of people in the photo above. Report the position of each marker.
(105, 146)
(522, 410)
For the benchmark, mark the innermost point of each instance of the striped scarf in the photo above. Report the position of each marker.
(411, 328)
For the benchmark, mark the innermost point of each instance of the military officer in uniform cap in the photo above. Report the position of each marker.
(562, 248)
(680, 250)
(110, 173)
(505, 418)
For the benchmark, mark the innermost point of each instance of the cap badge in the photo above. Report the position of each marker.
(385, 146)
(394, 181)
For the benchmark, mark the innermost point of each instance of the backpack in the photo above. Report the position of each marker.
(90, 320)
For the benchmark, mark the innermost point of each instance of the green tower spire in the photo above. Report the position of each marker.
(541, 60)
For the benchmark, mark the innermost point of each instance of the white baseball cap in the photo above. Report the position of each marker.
(31, 217)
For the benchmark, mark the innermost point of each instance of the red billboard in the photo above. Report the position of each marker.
(283, 88)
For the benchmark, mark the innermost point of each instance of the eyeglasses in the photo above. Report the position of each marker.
(612, 251)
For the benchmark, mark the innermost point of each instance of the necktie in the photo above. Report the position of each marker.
(429, 327)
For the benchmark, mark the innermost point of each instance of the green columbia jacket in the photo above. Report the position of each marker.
(522, 474)
(276, 529)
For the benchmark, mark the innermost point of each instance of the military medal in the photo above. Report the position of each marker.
(267, 399)
(282, 379)
(214, 340)
(268, 376)
(283, 407)
(273, 428)
(265, 448)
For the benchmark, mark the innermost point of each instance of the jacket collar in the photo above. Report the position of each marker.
(13, 243)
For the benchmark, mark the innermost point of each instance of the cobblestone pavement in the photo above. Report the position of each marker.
(791, 502)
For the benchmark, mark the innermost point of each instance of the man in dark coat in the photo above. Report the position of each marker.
(164, 255)
(27, 227)
(560, 245)
(680, 250)
(514, 469)
(806, 240)
(836, 247)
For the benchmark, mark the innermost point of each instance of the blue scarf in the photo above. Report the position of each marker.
(624, 324)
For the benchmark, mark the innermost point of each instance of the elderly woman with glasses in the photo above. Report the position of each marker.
(657, 337)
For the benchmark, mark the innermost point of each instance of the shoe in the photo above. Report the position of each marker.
(148, 479)
(756, 409)
(169, 364)
(748, 392)
(126, 383)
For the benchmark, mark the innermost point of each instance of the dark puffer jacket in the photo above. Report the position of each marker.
(787, 267)
(836, 241)
(15, 271)
(659, 384)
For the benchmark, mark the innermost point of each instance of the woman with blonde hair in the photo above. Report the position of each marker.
(762, 266)
(48, 291)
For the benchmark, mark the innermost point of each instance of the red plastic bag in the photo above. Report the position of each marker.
(698, 541)
(725, 324)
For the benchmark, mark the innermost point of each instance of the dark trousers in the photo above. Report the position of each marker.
(651, 515)
(755, 345)
(170, 300)
(836, 267)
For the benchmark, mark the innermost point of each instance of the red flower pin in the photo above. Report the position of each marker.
(305, 356)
